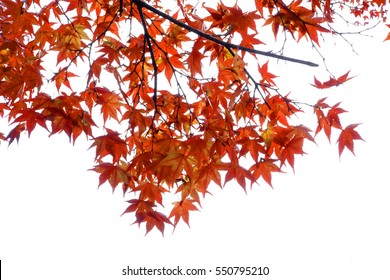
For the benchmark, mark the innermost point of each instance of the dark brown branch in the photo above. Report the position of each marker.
(218, 41)
(150, 47)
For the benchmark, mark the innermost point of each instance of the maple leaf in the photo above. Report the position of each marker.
(30, 117)
(323, 121)
(266, 77)
(303, 132)
(333, 115)
(110, 103)
(110, 144)
(114, 174)
(181, 211)
(241, 22)
(264, 169)
(150, 191)
(347, 137)
(15, 133)
(195, 59)
(145, 213)
(208, 173)
(250, 41)
(253, 147)
(156, 219)
(140, 206)
(65, 114)
(187, 189)
(240, 174)
(332, 81)
(292, 148)
(12, 85)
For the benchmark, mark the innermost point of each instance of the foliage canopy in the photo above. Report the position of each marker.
(171, 98)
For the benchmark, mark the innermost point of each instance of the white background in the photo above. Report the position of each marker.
(329, 220)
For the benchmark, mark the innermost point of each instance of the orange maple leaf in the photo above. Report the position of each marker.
(110, 144)
(113, 173)
(181, 210)
(195, 59)
(264, 169)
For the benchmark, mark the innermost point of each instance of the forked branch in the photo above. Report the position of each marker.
(141, 3)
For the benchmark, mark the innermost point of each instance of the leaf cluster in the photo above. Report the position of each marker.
(172, 99)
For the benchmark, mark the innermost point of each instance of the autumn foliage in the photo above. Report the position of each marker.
(173, 95)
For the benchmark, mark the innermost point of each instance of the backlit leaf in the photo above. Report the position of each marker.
(347, 138)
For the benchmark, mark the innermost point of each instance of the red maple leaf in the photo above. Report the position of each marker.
(347, 137)
(332, 82)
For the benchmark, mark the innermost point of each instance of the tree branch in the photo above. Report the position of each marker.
(218, 41)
